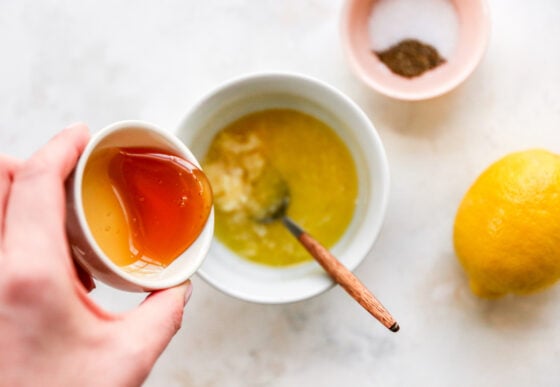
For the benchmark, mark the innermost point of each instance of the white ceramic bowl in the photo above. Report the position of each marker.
(83, 245)
(253, 282)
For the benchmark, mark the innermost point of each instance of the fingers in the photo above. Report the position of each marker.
(35, 212)
(154, 323)
(8, 166)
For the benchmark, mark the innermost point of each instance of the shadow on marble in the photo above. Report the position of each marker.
(420, 119)
(450, 293)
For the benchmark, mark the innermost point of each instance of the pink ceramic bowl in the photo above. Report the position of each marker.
(473, 21)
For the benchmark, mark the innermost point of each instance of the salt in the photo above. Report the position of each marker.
(434, 22)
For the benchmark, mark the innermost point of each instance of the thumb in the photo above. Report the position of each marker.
(158, 318)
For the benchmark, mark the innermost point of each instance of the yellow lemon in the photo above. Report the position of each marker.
(507, 228)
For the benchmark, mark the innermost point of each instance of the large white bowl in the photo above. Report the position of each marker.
(253, 282)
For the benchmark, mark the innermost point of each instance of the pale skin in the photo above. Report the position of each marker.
(51, 332)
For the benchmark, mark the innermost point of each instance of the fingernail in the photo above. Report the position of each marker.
(188, 291)
(75, 125)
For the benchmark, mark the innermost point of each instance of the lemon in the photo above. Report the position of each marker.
(507, 228)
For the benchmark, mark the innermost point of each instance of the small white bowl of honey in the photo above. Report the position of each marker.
(139, 208)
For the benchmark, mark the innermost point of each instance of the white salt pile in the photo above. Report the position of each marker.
(433, 22)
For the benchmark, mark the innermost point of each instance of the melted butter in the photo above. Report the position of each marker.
(313, 161)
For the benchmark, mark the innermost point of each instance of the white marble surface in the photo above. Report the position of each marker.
(98, 62)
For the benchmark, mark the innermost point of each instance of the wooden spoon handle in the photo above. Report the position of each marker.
(343, 276)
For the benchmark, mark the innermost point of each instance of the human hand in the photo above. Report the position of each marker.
(51, 332)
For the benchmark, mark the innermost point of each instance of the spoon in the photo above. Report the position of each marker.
(272, 198)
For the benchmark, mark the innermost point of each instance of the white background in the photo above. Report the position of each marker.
(99, 62)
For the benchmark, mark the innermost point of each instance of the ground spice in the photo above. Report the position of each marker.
(410, 58)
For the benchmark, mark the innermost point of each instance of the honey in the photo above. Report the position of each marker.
(144, 206)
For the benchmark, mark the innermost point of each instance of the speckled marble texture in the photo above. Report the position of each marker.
(99, 62)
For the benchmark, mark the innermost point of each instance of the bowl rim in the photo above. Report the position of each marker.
(381, 192)
(433, 92)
